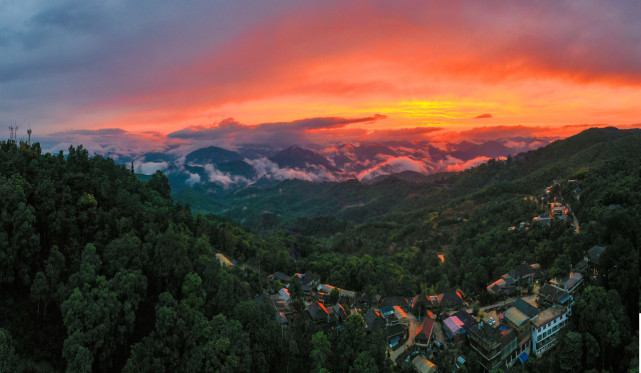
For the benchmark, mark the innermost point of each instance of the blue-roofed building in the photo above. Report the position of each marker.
(525, 307)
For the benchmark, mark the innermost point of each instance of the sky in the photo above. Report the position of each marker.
(282, 72)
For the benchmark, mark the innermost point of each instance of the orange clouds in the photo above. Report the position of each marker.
(421, 64)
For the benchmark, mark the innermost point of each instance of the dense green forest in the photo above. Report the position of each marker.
(103, 272)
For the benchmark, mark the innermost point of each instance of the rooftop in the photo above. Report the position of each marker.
(399, 312)
(453, 324)
(574, 280)
(595, 252)
(467, 319)
(525, 308)
(551, 294)
(425, 328)
(515, 316)
(486, 333)
(548, 315)
(423, 365)
(450, 298)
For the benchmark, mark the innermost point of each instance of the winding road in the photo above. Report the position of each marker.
(411, 333)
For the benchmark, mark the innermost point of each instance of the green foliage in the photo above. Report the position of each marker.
(88, 252)
(571, 352)
(8, 358)
(333, 296)
(100, 271)
(321, 349)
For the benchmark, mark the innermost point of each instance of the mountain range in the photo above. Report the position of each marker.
(255, 165)
(264, 205)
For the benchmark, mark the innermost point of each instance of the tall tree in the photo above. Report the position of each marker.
(321, 351)
(571, 352)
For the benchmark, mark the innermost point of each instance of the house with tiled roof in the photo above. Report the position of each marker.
(593, 258)
(340, 312)
(454, 328)
(400, 315)
(451, 299)
(550, 295)
(366, 301)
(280, 276)
(321, 314)
(374, 321)
(395, 301)
(572, 283)
(467, 319)
(423, 336)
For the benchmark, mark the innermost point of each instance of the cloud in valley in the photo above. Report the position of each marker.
(393, 165)
(465, 165)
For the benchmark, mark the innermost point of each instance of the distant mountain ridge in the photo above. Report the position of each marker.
(216, 167)
(407, 191)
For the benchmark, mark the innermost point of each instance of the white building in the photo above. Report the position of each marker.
(546, 326)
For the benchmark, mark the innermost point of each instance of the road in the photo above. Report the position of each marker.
(576, 223)
(411, 333)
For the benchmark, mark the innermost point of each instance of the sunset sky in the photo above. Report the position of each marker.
(386, 68)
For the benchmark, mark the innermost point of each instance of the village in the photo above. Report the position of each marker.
(425, 329)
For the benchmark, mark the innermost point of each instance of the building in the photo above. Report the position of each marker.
(422, 365)
(546, 326)
(451, 299)
(550, 295)
(393, 315)
(374, 321)
(517, 320)
(280, 276)
(457, 325)
(467, 319)
(557, 210)
(518, 317)
(340, 312)
(573, 283)
(581, 266)
(366, 301)
(321, 314)
(284, 292)
(424, 333)
(280, 304)
(593, 257)
(401, 316)
(525, 307)
(496, 348)
(395, 301)
(521, 275)
(395, 334)
(347, 296)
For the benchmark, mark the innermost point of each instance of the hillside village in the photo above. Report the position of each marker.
(437, 332)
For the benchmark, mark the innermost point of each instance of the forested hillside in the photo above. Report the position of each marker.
(103, 272)
(271, 207)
